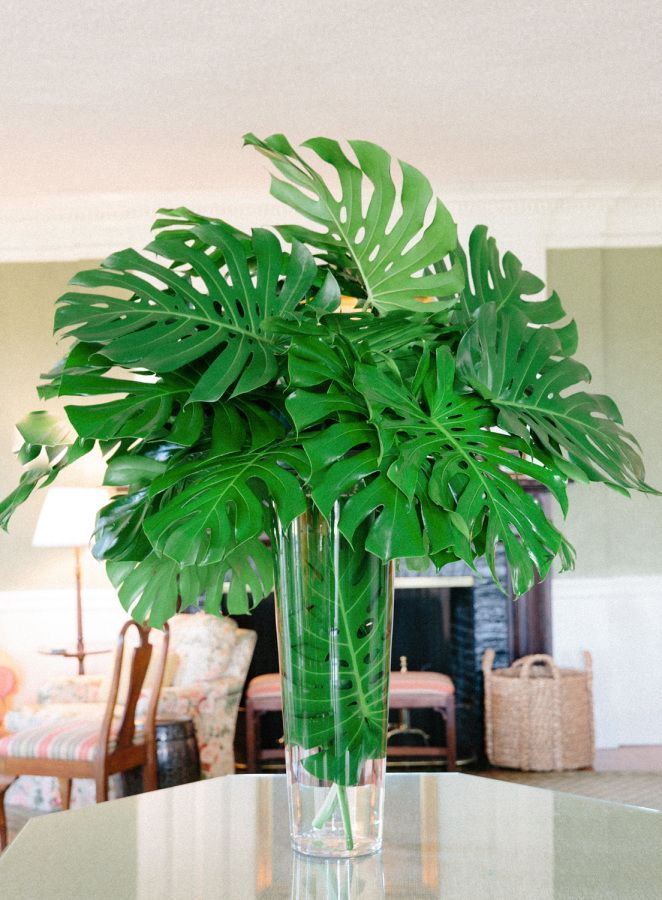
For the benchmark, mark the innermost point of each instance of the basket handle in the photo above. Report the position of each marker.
(526, 663)
(488, 660)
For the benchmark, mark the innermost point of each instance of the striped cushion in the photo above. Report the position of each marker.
(268, 686)
(264, 686)
(420, 683)
(59, 740)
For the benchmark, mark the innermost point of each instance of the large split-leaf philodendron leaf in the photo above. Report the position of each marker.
(168, 321)
(155, 588)
(473, 467)
(522, 371)
(506, 283)
(345, 459)
(387, 248)
(49, 446)
(220, 503)
(155, 409)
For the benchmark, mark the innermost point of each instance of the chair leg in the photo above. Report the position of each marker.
(3, 822)
(101, 783)
(451, 737)
(150, 772)
(252, 729)
(65, 792)
(5, 784)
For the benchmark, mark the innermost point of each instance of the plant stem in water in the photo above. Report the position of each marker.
(344, 812)
(337, 794)
(326, 810)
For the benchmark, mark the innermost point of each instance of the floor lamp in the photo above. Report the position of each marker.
(67, 519)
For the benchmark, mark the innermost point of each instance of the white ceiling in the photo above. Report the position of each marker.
(129, 96)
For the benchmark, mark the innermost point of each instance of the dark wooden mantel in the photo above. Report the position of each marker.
(531, 614)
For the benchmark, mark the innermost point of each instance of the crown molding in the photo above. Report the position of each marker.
(531, 217)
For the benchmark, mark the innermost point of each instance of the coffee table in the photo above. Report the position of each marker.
(454, 836)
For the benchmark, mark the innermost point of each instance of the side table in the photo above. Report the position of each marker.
(177, 757)
(80, 655)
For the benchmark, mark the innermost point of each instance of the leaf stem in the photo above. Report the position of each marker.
(346, 819)
(337, 794)
(326, 810)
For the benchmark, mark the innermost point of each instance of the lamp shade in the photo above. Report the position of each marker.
(68, 516)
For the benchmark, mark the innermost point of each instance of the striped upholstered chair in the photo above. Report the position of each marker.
(94, 749)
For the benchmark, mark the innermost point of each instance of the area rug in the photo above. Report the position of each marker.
(633, 788)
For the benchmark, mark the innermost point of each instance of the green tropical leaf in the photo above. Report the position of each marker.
(180, 222)
(523, 373)
(28, 482)
(162, 328)
(119, 531)
(156, 588)
(240, 424)
(132, 469)
(389, 258)
(474, 467)
(505, 282)
(396, 529)
(154, 410)
(43, 429)
(345, 459)
(49, 446)
(221, 502)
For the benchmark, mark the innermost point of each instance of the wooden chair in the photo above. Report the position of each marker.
(78, 749)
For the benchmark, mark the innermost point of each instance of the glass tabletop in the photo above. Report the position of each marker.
(455, 837)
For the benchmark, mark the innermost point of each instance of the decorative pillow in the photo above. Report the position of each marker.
(203, 645)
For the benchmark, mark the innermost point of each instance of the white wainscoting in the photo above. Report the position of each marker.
(34, 620)
(619, 619)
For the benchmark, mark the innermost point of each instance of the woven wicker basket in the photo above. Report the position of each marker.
(538, 717)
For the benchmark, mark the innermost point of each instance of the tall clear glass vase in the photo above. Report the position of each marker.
(334, 604)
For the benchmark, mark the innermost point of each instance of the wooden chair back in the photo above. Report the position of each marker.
(138, 659)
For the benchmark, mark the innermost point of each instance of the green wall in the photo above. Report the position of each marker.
(616, 297)
(27, 348)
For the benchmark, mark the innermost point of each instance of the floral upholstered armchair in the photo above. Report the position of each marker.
(207, 666)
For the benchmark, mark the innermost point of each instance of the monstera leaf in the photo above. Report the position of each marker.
(119, 531)
(386, 249)
(510, 287)
(219, 503)
(162, 328)
(154, 410)
(241, 424)
(180, 223)
(473, 467)
(522, 371)
(345, 459)
(48, 447)
(156, 588)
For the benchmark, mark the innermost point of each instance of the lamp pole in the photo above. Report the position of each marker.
(80, 646)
